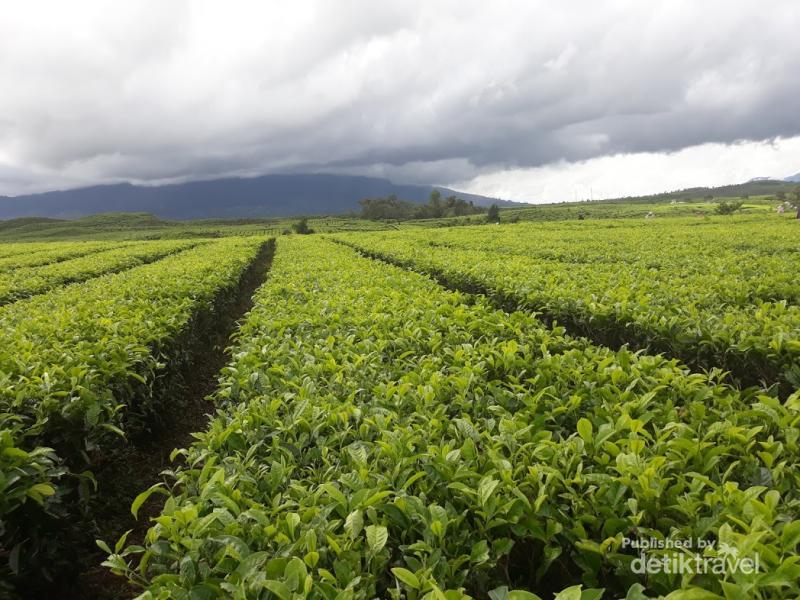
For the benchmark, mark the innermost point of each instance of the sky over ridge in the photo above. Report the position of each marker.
(535, 101)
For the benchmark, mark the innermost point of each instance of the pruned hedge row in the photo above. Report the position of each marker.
(75, 363)
(713, 297)
(24, 255)
(23, 282)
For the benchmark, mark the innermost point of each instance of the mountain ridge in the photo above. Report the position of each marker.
(753, 187)
(233, 197)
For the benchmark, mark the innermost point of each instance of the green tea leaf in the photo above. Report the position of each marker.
(585, 430)
(377, 536)
(406, 577)
(142, 498)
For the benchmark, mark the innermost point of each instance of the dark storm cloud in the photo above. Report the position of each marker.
(445, 91)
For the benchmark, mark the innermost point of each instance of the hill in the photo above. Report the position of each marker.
(754, 187)
(266, 196)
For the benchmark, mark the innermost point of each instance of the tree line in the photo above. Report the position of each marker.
(392, 208)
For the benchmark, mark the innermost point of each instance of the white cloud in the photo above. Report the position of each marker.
(562, 60)
(448, 90)
(642, 173)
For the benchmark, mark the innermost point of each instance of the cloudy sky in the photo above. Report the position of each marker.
(527, 100)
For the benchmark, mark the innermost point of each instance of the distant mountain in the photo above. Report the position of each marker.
(793, 178)
(266, 196)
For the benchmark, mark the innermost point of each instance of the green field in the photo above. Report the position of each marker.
(758, 199)
(434, 409)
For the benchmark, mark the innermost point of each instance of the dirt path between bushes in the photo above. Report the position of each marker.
(139, 465)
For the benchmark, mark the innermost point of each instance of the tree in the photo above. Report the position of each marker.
(728, 208)
(302, 227)
(493, 216)
(391, 208)
(435, 203)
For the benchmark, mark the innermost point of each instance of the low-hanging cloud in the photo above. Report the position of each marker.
(424, 91)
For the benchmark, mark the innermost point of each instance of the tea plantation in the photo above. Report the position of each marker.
(566, 409)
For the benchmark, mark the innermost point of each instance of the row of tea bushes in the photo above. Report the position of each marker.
(379, 436)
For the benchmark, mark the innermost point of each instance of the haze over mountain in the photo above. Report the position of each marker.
(266, 196)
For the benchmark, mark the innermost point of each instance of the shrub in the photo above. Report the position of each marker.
(728, 208)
